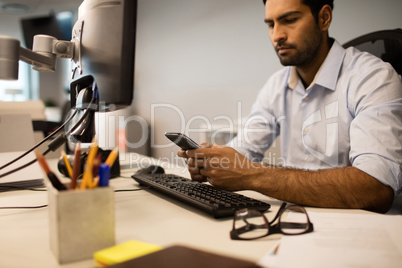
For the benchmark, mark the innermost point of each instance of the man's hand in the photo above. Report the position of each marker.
(345, 187)
(223, 167)
(193, 166)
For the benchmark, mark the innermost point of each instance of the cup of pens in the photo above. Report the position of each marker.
(81, 213)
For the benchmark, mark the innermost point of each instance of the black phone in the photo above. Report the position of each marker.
(182, 140)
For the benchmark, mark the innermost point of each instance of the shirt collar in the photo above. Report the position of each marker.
(325, 76)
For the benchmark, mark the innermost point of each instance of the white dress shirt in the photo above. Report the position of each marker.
(351, 115)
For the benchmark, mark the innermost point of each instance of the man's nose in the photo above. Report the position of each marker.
(278, 34)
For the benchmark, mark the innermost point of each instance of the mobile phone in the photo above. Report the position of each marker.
(182, 140)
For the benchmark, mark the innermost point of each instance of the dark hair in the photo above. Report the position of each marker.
(315, 5)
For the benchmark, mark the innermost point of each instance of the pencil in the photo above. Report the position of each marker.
(96, 163)
(87, 179)
(112, 157)
(76, 166)
(51, 176)
(92, 153)
(42, 162)
(68, 166)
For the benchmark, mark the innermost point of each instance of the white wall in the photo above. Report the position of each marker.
(201, 57)
(353, 18)
(206, 57)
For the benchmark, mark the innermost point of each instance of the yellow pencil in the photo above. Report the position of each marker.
(86, 181)
(112, 157)
(68, 166)
(95, 182)
(92, 153)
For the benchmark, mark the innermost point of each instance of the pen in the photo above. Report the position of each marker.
(68, 166)
(112, 157)
(104, 175)
(52, 177)
(76, 166)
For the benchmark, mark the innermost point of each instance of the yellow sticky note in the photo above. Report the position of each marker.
(123, 252)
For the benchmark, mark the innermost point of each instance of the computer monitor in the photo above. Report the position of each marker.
(106, 33)
(57, 25)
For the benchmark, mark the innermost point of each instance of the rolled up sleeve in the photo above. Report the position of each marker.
(376, 130)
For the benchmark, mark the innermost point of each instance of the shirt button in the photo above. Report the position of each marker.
(309, 160)
(306, 129)
(306, 98)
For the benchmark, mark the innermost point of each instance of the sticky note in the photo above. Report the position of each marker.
(123, 252)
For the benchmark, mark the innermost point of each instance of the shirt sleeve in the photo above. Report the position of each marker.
(376, 130)
(260, 129)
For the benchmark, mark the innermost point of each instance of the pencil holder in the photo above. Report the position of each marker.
(81, 222)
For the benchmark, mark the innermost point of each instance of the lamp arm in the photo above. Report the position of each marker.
(34, 58)
(42, 57)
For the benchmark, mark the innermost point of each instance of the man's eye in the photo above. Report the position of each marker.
(290, 20)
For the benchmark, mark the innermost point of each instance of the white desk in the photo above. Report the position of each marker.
(140, 215)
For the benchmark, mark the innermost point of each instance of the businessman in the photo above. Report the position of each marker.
(338, 113)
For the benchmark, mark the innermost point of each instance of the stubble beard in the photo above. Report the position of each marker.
(304, 54)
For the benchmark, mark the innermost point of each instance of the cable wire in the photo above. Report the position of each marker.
(43, 206)
(41, 142)
(48, 150)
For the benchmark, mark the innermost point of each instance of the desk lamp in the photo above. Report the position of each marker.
(102, 50)
(42, 57)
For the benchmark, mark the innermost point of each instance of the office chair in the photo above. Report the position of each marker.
(386, 44)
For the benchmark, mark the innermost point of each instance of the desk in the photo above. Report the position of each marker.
(140, 215)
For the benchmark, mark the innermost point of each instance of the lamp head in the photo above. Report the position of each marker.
(9, 58)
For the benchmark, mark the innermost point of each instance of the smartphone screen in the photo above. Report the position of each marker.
(182, 140)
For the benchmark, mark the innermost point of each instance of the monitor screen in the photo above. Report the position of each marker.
(106, 33)
(57, 25)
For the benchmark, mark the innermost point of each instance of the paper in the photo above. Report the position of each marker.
(342, 240)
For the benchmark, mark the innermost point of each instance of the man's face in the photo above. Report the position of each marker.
(293, 30)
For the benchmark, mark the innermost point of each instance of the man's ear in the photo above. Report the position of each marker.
(325, 17)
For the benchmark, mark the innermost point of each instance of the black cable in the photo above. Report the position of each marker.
(22, 167)
(48, 150)
(41, 142)
(116, 191)
(23, 188)
(43, 206)
(129, 190)
(82, 117)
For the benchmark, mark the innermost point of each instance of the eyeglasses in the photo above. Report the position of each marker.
(249, 224)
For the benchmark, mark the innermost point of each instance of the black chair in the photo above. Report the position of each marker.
(386, 45)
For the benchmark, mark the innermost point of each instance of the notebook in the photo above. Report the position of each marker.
(179, 256)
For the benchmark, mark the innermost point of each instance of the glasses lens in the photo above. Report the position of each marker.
(250, 224)
(294, 220)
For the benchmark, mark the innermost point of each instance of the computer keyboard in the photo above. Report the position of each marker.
(216, 202)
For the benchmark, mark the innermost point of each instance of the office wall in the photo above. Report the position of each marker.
(204, 61)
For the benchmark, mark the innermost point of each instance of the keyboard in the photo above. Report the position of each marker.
(216, 202)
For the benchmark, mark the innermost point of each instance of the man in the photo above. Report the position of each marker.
(339, 114)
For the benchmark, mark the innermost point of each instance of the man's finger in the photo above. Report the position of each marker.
(182, 153)
(195, 162)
